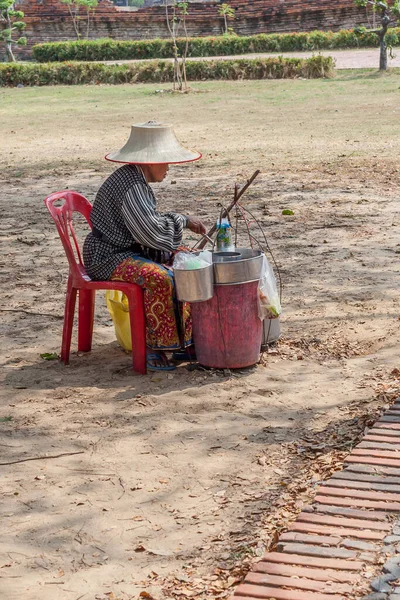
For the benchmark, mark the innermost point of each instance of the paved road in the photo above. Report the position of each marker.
(345, 59)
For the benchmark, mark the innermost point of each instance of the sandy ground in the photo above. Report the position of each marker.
(171, 484)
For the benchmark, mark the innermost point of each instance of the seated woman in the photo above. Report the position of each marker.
(130, 241)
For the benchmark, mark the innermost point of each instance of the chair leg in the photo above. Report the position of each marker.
(69, 312)
(138, 330)
(85, 320)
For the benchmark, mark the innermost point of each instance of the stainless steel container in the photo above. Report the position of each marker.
(243, 269)
(194, 285)
(271, 332)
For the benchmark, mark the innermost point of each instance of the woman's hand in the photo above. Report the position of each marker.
(195, 225)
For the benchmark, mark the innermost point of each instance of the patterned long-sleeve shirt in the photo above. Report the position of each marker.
(126, 223)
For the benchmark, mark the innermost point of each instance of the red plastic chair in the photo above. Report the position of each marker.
(78, 281)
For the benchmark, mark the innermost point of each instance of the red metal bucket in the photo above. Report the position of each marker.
(226, 329)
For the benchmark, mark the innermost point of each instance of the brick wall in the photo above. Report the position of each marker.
(49, 20)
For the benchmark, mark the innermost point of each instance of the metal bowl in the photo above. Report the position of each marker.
(242, 270)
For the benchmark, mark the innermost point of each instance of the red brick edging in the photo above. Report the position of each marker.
(328, 547)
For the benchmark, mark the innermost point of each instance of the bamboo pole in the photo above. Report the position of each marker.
(236, 197)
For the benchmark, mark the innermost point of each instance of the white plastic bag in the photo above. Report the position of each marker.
(269, 305)
(190, 261)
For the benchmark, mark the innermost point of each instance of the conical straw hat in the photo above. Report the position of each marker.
(152, 143)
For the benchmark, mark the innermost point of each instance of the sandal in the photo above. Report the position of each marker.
(186, 355)
(156, 356)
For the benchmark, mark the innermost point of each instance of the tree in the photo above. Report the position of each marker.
(388, 13)
(176, 13)
(226, 11)
(74, 7)
(11, 26)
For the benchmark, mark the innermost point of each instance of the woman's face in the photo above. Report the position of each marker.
(154, 173)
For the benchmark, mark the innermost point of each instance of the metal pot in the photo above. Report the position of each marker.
(194, 285)
(223, 256)
(241, 269)
(271, 332)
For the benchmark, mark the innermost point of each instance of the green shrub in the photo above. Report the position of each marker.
(73, 73)
(108, 49)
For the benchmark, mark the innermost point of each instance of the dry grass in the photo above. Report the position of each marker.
(350, 120)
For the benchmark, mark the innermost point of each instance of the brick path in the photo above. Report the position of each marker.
(345, 59)
(351, 526)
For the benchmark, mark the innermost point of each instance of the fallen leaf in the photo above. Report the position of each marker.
(49, 356)
(160, 552)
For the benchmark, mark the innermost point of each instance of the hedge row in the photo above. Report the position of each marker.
(108, 49)
(72, 73)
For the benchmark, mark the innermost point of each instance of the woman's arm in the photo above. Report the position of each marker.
(147, 226)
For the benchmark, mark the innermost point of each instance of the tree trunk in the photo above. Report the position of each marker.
(383, 57)
(177, 82)
(185, 53)
(75, 22)
(177, 65)
(226, 24)
(9, 52)
(88, 23)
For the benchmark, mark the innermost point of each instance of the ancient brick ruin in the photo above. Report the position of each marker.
(49, 20)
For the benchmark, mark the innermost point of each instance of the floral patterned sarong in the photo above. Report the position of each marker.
(168, 322)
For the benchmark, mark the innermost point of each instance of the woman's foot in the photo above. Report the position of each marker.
(185, 355)
(157, 361)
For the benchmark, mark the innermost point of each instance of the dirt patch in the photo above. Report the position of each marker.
(182, 479)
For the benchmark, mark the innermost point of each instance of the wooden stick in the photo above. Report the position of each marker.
(35, 314)
(236, 197)
(14, 462)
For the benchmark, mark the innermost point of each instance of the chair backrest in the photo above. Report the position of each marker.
(63, 218)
